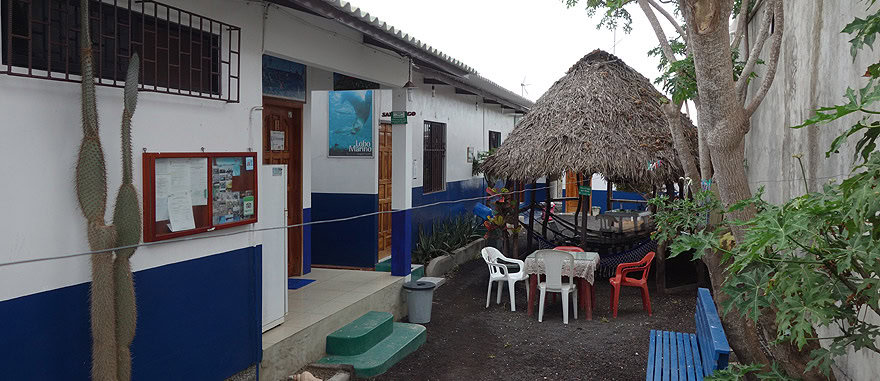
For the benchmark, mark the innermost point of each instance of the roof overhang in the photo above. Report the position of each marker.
(376, 32)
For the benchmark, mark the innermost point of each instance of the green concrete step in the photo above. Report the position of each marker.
(360, 335)
(418, 273)
(404, 339)
(385, 265)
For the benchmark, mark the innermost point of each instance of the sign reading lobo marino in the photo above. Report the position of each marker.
(351, 123)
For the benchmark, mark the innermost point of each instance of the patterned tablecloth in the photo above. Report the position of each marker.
(584, 265)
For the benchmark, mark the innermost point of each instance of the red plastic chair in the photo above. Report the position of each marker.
(569, 249)
(620, 279)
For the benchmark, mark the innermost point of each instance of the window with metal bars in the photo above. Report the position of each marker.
(181, 52)
(434, 169)
(494, 140)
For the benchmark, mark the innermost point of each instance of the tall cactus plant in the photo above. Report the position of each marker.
(113, 309)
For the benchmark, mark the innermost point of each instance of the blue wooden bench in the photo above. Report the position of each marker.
(688, 356)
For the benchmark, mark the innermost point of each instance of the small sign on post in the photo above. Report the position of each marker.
(584, 190)
(398, 117)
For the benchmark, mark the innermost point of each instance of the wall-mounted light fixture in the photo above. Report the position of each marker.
(433, 92)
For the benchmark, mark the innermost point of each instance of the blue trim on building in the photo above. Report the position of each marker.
(307, 241)
(197, 320)
(424, 218)
(600, 198)
(401, 242)
(346, 243)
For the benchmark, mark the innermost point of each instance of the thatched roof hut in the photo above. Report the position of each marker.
(601, 117)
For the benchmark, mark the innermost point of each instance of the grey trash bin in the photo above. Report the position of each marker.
(419, 295)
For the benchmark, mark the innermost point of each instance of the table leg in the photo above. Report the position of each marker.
(589, 300)
(533, 289)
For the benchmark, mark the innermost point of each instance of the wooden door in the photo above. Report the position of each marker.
(571, 190)
(384, 190)
(282, 144)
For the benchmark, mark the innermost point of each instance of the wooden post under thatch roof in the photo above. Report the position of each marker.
(601, 117)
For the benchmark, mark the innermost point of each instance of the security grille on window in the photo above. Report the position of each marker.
(494, 139)
(434, 179)
(181, 53)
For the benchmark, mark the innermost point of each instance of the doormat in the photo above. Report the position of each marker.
(293, 284)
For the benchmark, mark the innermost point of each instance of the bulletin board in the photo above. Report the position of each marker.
(191, 193)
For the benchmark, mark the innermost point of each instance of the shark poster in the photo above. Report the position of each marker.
(351, 123)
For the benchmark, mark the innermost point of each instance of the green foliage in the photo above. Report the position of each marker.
(814, 259)
(737, 372)
(681, 215)
(613, 13)
(446, 236)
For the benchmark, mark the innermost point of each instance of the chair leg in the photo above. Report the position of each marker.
(574, 299)
(500, 289)
(543, 293)
(489, 293)
(646, 300)
(510, 285)
(615, 300)
(527, 288)
(564, 308)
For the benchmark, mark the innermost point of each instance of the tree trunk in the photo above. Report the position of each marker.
(724, 122)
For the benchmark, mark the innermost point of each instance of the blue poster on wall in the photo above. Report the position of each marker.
(283, 78)
(351, 123)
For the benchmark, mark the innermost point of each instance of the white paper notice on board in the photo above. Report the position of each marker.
(163, 188)
(180, 176)
(180, 212)
(276, 140)
(198, 173)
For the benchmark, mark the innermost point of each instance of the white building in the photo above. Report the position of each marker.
(200, 296)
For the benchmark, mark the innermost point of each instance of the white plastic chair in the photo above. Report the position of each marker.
(498, 273)
(554, 261)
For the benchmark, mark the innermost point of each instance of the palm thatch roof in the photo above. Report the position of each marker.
(601, 117)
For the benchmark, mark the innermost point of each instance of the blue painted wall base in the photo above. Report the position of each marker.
(346, 243)
(197, 320)
(401, 242)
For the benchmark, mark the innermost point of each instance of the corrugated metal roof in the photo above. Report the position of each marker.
(473, 78)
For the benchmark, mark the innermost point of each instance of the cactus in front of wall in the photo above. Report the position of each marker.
(112, 300)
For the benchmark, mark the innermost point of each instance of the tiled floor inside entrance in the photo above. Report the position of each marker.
(331, 291)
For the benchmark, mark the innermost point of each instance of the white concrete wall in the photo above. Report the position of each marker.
(328, 45)
(468, 122)
(815, 68)
(41, 127)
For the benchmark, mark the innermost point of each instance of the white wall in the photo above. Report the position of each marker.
(468, 122)
(328, 45)
(815, 68)
(41, 127)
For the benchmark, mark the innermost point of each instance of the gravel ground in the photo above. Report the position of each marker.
(467, 341)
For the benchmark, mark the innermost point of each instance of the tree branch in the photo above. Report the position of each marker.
(658, 30)
(742, 23)
(779, 22)
(741, 84)
(669, 17)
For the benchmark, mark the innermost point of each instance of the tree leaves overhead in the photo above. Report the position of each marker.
(613, 13)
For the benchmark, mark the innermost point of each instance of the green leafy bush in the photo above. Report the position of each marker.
(446, 236)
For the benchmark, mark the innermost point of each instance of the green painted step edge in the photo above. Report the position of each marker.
(405, 339)
(360, 335)
(418, 273)
(384, 266)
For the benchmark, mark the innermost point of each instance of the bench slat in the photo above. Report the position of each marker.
(688, 357)
(658, 353)
(666, 352)
(651, 350)
(698, 364)
(679, 344)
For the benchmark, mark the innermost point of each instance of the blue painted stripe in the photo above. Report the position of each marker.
(346, 243)
(197, 320)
